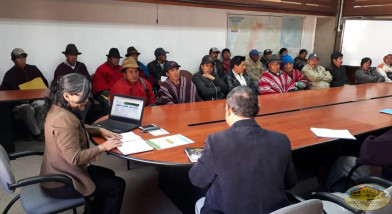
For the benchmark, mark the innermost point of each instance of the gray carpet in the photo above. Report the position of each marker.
(141, 195)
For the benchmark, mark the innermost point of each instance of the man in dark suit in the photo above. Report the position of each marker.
(248, 167)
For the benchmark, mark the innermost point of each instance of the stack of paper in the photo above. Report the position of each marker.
(133, 143)
(333, 133)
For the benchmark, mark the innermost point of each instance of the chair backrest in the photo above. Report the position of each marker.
(186, 74)
(312, 206)
(6, 174)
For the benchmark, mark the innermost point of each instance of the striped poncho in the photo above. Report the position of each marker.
(185, 92)
(270, 83)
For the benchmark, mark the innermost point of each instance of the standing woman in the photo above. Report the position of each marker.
(67, 149)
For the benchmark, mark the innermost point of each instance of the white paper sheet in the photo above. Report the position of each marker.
(333, 133)
(158, 132)
(129, 136)
(134, 146)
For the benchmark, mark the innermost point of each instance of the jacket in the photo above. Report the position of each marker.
(218, 69)
(339, 75)
(254, 69)
(64, 69)
(247, 168)
(207, 89)
(155, 69)
(122, 86)
(318, 77)
(232, 82)
(67, 149)
(105, 76)
(383, 69)
(362, 76)
(16, 76)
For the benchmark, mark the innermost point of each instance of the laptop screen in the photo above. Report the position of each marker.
(127, 108)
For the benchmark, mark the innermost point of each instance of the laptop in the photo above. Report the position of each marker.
(125, 115)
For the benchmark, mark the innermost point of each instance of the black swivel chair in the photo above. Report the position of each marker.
(32, 197)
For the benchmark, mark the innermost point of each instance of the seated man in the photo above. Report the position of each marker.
(317, 76)
(226, 55)
(337, 70)
(143, 70)
(254, 68)
(385, 68)
(301, 82)
(218, 67)
(246, 168)
(282, 52)
(176, 89)
(266, 57)
(132, 84)
(274, 80)
(32, 115)
(105, 77)
(70, 65)
(300, 61)
(367, 75)
(237, 76)
(155, 68)
(208, 84)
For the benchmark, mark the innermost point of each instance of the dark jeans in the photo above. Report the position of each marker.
(108, 194)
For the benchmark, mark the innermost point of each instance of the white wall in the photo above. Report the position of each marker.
(44, 27)
(366, 38)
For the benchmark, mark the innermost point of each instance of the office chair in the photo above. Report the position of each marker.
(375, 152)
(33, 199)
(312, 206)
(334, 202)
(188, 75)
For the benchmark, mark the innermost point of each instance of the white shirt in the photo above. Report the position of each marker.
(73, 67)
(240, 78)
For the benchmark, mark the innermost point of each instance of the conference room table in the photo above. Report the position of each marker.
(352, 107)
(7, 100)
(355, 108)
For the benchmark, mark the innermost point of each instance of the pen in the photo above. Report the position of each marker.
(169, 141)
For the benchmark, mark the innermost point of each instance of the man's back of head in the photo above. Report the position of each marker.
(241, 102)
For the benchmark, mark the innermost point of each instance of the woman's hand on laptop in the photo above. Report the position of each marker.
(108, 134)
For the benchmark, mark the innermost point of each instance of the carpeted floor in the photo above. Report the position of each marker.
(141, 195)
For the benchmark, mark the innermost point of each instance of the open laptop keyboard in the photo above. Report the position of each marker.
(116, 125)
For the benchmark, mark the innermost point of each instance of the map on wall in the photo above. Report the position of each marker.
(247, 32)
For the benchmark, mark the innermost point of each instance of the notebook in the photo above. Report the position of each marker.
(125, 115)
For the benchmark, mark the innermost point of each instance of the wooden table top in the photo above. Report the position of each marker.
(20, 95)
(212, 111)
(358, 117)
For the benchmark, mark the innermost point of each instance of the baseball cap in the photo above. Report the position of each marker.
(313, 55)
(169, 65)
(207, 59)
(17, 52)
(267, 51)
(160, 52)
(254, 52)
(214, 49)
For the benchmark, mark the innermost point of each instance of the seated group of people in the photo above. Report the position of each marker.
(67, 149)
(160, 81)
